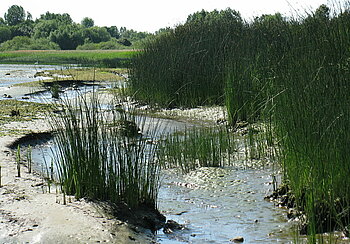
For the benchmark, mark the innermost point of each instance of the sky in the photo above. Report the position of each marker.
(151, 15)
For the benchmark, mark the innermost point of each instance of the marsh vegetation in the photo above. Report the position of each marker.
(283, 82)
(290, 74)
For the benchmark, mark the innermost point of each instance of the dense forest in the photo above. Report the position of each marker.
(18, 31)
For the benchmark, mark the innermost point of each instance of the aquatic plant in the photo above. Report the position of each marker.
(197, 147)
(96, 161)
(29, 159)
(55, 90)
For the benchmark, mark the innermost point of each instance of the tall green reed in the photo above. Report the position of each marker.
(96, 161)
(185, 66)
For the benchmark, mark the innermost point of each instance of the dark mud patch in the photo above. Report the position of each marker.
(142, 216)
(32, 139)
(68, 83)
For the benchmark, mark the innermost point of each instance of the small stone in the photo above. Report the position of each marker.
(14, 113)
(237, 239)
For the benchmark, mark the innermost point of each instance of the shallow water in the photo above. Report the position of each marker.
(215, 204)
(219, 204)
(11, 74)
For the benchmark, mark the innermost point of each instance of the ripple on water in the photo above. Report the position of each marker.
(228, 202)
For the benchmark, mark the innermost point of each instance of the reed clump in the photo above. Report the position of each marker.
(96, 161)
(185, 66)
(302, 93)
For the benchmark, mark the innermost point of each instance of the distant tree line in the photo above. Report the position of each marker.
(18, 31)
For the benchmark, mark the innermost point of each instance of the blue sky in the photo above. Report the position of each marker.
(150, 15)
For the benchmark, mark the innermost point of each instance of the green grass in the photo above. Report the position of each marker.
(96, 58)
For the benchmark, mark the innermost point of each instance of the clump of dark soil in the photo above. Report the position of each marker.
(31, 139)
(143, 216)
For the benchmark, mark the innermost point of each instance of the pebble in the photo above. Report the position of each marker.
(237, 239)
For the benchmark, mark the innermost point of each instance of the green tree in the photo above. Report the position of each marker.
(87, 22)
(133, 35)
(23, 29)
(125, 42)
(17, 43)
(113, 31)
(96, 34)
(43, 28)
(62, 18)
(29, 16)
(5, 33)
(322, 12)
(68, 37)
(2, 21)
(27, 43)
(205, 16)
(15, 15)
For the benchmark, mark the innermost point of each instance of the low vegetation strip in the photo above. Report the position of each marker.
(101, 58)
